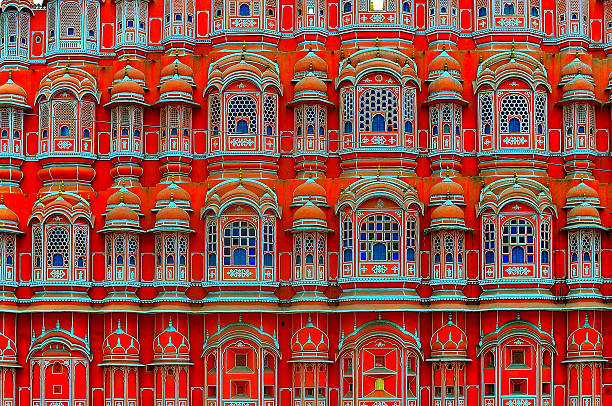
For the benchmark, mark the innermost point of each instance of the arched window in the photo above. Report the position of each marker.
(242, 115)
(509, 9)
(482, 12)
(379, 238)
(239, 244)
(378, 106)
(517, 241)
(535, 12)
(347, 239)
(58, 248)
(268, 243)
(212, 243)
(64, 131)
(348, 127)
(378, 123)
(245, 10)
(406, 7)
(514, 114)
(411, 238)
(347, 6)
(514, 125)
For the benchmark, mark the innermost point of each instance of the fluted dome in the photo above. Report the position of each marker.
(310, 190)
(443, 62)
(131, 72)
(574, 67)
(583, 216)
(120, 348)
(174, 85)
(177, 68)
(127, 86)
(585, 343)
(447, 216)
(170, 347)
(9, 220)
(447, 189)
(125, 196)
(309, 217)
(449, 342)
(310, 62)
(172, 218)
(582, 193)
(445, 83)
(309, 344)
(180, 196)
(12, 94)
(310, 89)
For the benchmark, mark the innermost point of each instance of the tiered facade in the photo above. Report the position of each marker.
(305, 203)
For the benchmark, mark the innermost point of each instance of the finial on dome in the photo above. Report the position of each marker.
(123, 181)
(309, 47)
(584, 197)
(68, 66)
(586, 320)
(310, 172)
(580, 70)
(118, 324)
(443, 47)
(310, 67)
(376, 42)
(2, 198)
(240, 318)
(515, 177)
(512, 49)
(172, 178)
(125, 72)
(341, 53)
(378, 172)
(275, 58)
(172, 196)
(121, 196)
(445, 66)
(447, 194)
(480, 59)
(582, 178)
(447, 172)
(518, 315)
(240, 177)
(170, 321)
(10, 75)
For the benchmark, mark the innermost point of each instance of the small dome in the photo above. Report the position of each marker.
(309, 343)
(445, 190)
(9, 220)
(310, 191)
(575, 67)
(310, 83)
(180, 195)
(128, 86)
(124, 195)
(122, 213)
(578, 84)
(13, 94)
(176, 68)
(170, 346)
(444, 62)
(445, 83)
(583, 216)
(309, 212)
(129, 71)
(585, 343)
(581, 193)
(449, 342)
(174, 85)
(242, 68)
(120, 347)
(172, 213)
(310, 62)
(448, 211)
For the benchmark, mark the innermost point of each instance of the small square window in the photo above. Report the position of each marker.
(379, 361)
(51, 34)
(178, 17)
(130, 23)
(91, 33)
(189, 18)
(70, 31)
(57, 369)
(141, 25)
(240, 360)
(489, 389)
(57, 389)
(518, 386)
(12, 38)
(517, 357)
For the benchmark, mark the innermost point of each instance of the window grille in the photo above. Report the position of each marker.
(239, 244)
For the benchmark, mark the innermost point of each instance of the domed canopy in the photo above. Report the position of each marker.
(310, 190)
(176, 91)
(581, 193)
(172, 218)
(18, 4)
(120, 348)
(585, 344)
(127, 90)
(579, 89)
(447, 216)
(122, 219)
(8, 352)
(125, 196)
(135, 74)
(310, 62)
(574, 67)
(445, 88)
(310, 89)
(309, 217)
(11, 94)
(310, 344)
(177, 68)
(180, 196)
(447, 189)
(443, 63)
(449, 342)
(9, 221)
(583, 216)
(170, 347)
